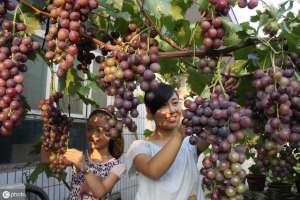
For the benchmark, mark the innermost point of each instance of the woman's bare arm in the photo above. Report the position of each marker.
(155, 167)
(101, 188)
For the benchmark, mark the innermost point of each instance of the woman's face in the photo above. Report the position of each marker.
(168, 116)
(97, 137)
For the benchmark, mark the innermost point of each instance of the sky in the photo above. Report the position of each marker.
(244, 15)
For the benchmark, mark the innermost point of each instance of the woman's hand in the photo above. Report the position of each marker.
(75, 157)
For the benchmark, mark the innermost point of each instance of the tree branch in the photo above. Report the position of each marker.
(212, 52)
(151, 24)
(101, 44)
(171, 54)
(34, 8)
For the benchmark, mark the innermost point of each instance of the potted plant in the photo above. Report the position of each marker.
(280, 174)
(256, 179)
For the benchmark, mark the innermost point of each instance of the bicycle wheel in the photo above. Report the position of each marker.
(34, 192)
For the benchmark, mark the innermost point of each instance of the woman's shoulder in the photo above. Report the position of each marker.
(138, 143)
(139, 147)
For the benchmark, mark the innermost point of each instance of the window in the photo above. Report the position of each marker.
(17, 147)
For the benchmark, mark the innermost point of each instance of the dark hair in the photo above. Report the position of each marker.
(116, 144)
(161, 96)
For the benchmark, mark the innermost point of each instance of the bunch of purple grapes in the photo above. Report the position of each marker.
(138, 64)
(207, 65)
(251, 3)
(121, 71)
(67, 21)
(223, 124)
(15, 48)
(213, 33)
(291, 60)
(282, 165)
(6, 5)
(56, 127)
(275, 158)
(295, 59)
(277, 97)
(221, 6)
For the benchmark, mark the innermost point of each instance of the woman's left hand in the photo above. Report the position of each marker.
(75, 157)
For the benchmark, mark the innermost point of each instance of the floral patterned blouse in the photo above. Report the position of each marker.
(101, 170)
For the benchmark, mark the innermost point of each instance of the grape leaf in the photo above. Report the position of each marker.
(70, 79)
(231, 39)
(182, 4)
(168, 66)
(229, 26)
(166, 7)
(39, 169)
(182, 32)
(202, 4)
(147, 132)
(25, 104)
(198, 81)
(87, 100)
(245, 86)
(117, 4)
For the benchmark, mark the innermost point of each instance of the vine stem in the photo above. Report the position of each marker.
(52, 87)
(275, 82)
(34, 8)
(180, 52)
(150, 23)
(15, 18)
(24, 18)
(219, 76)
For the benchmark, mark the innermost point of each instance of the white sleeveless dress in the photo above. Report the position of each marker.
(181, 181)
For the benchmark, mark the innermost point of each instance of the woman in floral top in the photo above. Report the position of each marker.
(97, 171)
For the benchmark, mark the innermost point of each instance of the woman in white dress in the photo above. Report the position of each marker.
(165, 161)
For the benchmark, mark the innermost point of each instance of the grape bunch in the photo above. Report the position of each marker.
(291, 60)
(221, 6)
(138, 64)
(251, 3)
(223, 124)
(282, 164)
(226, 175)
(56, 127)
(277, 97)
(126, 104)
(15, 48)
(67, 23)
(121, 71)
(295, 58)
(277, 159)
(85, 56)
(213, 33)
(207, 65)
(6, 5)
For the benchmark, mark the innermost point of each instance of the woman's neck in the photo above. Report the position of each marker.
(100, 154)
(162, 134)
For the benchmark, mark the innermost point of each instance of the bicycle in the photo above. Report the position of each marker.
(34, 192)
